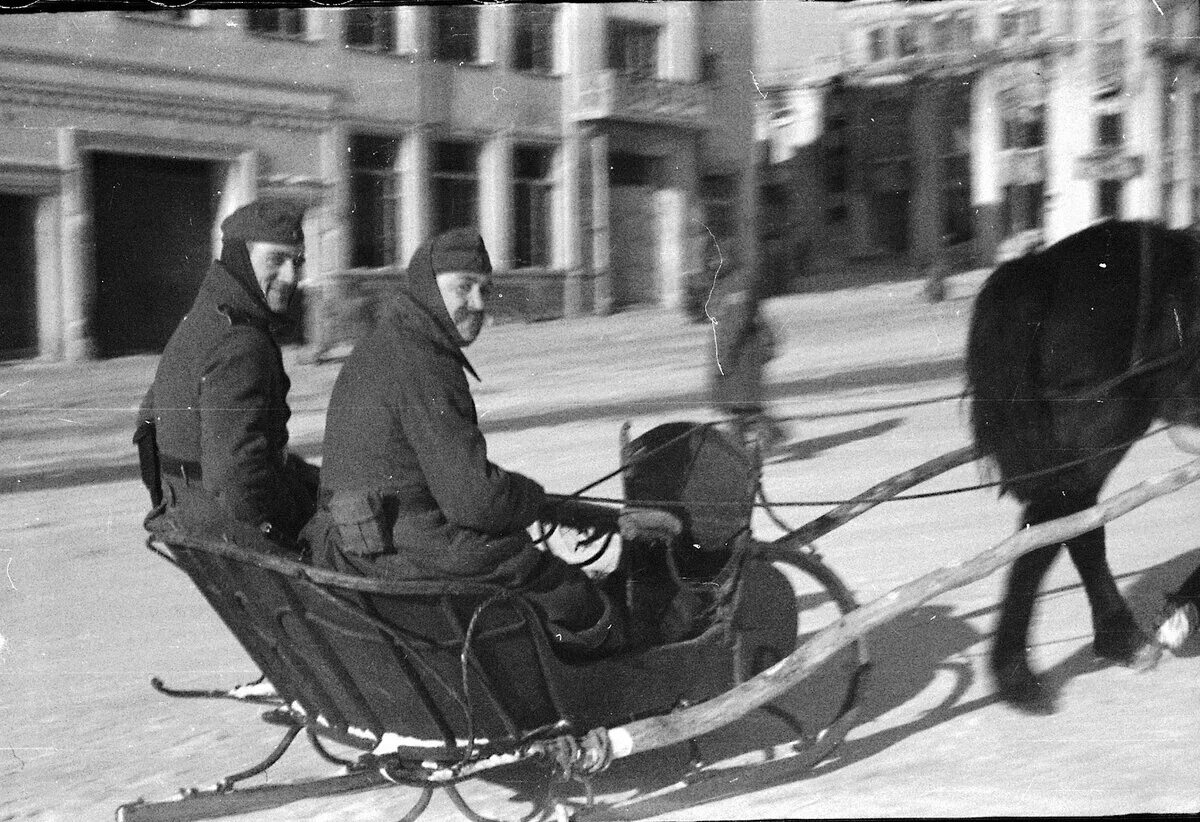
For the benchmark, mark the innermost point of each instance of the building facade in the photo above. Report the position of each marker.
(966, 131)
(576, 137)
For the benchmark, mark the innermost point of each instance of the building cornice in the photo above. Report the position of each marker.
(30, 57)
(165, 105)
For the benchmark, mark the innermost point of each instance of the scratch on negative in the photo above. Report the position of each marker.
(1157, 6)
(755, 80)
(8, 573)
(713, 320)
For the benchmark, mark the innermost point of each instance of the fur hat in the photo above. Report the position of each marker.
(266, 221)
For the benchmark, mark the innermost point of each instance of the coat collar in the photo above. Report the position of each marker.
(416, 318)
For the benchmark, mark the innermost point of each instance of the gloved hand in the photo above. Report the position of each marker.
(648, 524)
(579, 514)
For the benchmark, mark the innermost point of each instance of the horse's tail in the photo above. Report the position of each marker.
(1009, 416)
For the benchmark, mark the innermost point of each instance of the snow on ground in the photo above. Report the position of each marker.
(869, 382)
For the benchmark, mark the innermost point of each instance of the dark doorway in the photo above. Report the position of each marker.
(152, 223)
(633, 229)
(18, 277)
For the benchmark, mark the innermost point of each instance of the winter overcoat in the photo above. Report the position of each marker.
(402, 424)
(219, 402)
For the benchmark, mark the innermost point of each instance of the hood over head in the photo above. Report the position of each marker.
(262, 221)
(459, 249)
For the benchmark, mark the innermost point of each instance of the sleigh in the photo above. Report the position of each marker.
(426, 684)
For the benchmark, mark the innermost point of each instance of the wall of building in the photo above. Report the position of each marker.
(276, 117)
(1058, 63)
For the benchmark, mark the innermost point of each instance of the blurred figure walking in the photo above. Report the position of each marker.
(741, 345)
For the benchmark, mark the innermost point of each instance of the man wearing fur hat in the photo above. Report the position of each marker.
(407, 488)
(217, 410)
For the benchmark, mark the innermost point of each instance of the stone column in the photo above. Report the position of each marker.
(601, 235)
(78, 253)
(985, 165)
(415, 192)
(328, 249)
(495, 199)
(49, 255)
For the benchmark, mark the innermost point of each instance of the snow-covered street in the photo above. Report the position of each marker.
(869, 382)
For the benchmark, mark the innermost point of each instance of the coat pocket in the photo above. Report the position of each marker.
(359, 517)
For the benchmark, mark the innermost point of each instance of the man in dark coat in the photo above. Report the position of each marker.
(217, 409)
(740, 347)
(407, 488)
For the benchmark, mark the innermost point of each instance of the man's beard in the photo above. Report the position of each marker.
(468, 324)
(279, 297)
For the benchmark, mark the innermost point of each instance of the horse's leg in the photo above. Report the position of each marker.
(1017, 683)
(1116, 633)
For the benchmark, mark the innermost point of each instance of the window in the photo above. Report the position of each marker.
(1033, 22)
(455, 34)
(1025, 127)
(532, 192)
(1194, 137)
(1021, 208)
(1109, 67)
(627, 169)
(1108, 198)
(906, 40)
(164, 15)
(1109, 133)
(943, 35)
(455, 185)
(533, 38)
(374, 200)
(276, 22)
(372, 29)
(958, 223)
(964, 31)
(1010, 25)
(836, 154)
(779, 106)
(718, 192)
(633, 48)
(877, 40)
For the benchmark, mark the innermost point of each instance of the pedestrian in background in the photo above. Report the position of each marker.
(741, 345)
(212, 431)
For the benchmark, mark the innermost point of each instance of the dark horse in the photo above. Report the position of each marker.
(1073, 351)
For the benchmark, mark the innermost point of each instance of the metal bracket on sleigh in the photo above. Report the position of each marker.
(433, 683)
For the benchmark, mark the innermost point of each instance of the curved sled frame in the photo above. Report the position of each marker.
(306, 680)
(429, 681)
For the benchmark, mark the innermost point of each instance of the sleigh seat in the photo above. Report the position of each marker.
(421, 675)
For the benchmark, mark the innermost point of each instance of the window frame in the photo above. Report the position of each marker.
(1109, 190)
(375, 15)
(440, 178)
(535, 20)
(439, 38)
(533, 244)
(640, 39)
(390, 174)
(298, 14)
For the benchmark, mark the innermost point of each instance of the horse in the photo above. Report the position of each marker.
(1072, 352)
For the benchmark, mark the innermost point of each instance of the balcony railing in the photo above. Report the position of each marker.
(1108, 164)
(609, 95)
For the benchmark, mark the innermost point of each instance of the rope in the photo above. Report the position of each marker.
(765, 504)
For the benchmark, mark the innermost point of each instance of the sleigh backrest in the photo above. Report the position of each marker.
(362, 663)
(705, 477)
